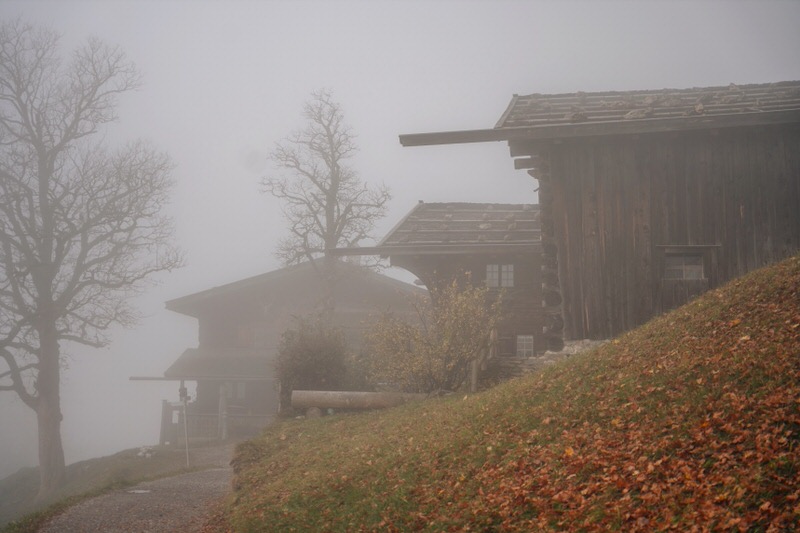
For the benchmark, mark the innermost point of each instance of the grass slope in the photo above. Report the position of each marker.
(691, 421)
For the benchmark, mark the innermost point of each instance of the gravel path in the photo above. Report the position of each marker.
(175, 504)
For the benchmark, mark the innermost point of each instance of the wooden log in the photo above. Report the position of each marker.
(303, 399)
(527, 162)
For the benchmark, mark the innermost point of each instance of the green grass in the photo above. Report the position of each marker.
(693, 418)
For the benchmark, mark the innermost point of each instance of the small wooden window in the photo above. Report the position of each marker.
(506, 275)
(250, 336)
(492, 275)
(235, 391)
(499, 275)
(525, 346)
(683, 266)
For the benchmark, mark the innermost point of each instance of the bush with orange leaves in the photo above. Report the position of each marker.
(435, 353)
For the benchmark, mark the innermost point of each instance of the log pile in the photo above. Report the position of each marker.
(313, 400)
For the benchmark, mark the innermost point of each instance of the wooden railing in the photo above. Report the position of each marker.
(206, 426)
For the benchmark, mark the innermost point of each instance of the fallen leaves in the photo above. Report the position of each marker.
(689, 423)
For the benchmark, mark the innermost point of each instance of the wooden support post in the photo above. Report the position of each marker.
(166, 423)
(182, 392)
(474, 374)
(222, 431)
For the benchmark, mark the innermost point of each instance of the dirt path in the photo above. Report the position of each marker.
(175, 504)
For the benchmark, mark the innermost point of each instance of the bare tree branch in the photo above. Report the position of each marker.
(80, 225)
(325, 203)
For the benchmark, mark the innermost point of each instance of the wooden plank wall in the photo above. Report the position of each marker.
(617, 200)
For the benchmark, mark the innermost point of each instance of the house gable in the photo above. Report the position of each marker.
(254, 312)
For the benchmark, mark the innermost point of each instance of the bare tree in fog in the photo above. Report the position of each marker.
(80, 225)
(325, 202)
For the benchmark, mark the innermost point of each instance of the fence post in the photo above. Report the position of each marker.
(166, 423)
(222, 432)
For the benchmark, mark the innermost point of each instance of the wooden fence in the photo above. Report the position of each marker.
(206, 426)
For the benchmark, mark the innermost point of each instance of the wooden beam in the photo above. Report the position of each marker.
(522, 149)
(592, 129)
(453, 137)
(232, 377)
(303, 399)
(438, 249)
(525, 162)
(356, 250)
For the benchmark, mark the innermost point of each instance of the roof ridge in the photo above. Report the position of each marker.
(272, 275)
(611, 92)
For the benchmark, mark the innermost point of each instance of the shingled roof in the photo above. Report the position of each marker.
(543, 109)
(460, 225)
(553, 116)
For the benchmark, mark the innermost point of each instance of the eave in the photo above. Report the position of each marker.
(202, 377)
(438, 249)
(596, 129)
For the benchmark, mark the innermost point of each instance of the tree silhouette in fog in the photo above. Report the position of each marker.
(325, 203)
(81, 228)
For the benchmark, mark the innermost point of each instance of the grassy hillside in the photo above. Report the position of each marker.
(692, 419)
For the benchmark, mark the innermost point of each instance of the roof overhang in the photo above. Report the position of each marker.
(438, 249)
(197, 364)
(191, 377)
(595, 129)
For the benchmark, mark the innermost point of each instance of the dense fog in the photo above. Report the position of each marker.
(223, 81)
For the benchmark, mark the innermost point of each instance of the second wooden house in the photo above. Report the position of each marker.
(497, 245)
(240, 325)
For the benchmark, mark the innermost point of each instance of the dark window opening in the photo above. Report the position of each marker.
(684, 266)
(505, 345)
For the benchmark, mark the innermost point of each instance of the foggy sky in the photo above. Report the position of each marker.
(223, 81)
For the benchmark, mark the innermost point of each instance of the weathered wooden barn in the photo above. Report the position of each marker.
(649, 198)
(239, 328)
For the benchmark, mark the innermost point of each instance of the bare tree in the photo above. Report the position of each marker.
(324, 201)
(80, 226)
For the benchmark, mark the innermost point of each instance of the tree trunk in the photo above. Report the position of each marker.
(48, 379)
(330, 278)
(48, 413)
